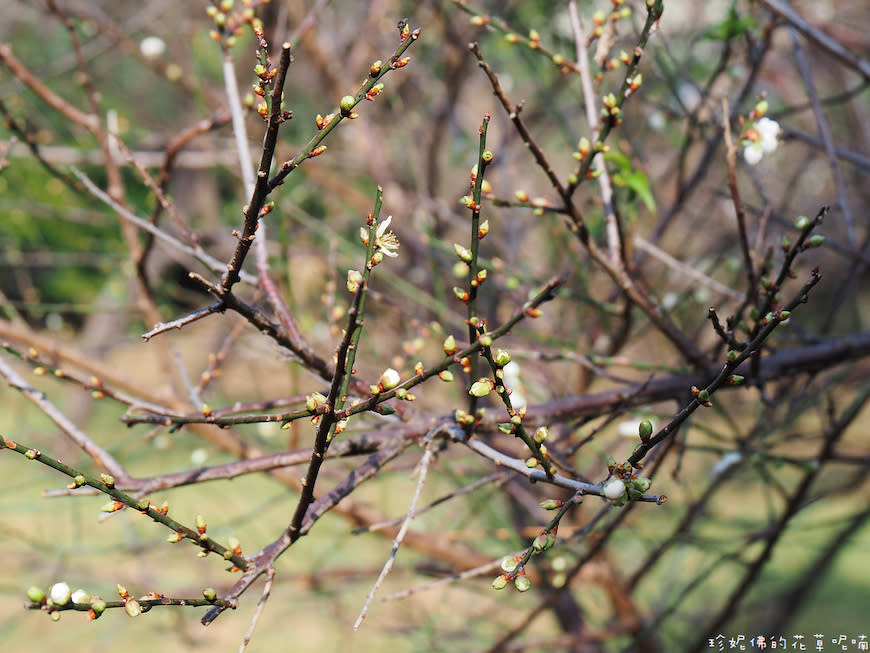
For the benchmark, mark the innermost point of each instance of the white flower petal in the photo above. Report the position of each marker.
(382, 227)
(752, 154)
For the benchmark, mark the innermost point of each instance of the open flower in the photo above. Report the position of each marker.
(386, 241)
(760, 140)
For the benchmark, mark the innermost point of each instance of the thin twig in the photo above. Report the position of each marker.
(100, 456)
(210, 262)
(261, 604)
(400, 536)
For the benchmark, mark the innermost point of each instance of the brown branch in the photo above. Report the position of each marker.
(261, 187)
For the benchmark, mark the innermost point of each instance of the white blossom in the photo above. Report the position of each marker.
(386, 241)
(60, 593)
(614, 489)
(81, 596)
(764, 141)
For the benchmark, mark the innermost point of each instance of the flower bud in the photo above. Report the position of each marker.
(613, 489)
(59, 593)
(481, 388)
(499, 582)
(502, 357)
(389, 379)
(81, 597)
(541, 434)
(36, 594)
(522, 584)
(542, 542)
(132, 608)
(346, 104)
(354, 279)
(644, 430)
(98, 606)
(551, 504)
(463, 253)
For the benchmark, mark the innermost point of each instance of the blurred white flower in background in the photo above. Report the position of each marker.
(511, 379)
(152, 47)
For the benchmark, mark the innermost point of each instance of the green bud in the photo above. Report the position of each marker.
(486, 341)
(132, 608)
(449, 345)
(816, 241)
(36, 594)
(641, 484)
(463, 253)
(508, 564)
(551, 504)
(644, 430)
(506, 427)
(502, 357)
(541, 434)
(532, 462)
(347, 103)
(481, 388)
(209, 594)
(201, 523)
(732, 356)
(487, 156)
(446, 376)
(98, 605)
(703, 395)
(522, 584)
(499, 582)
(542, 542)
(802, 223)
